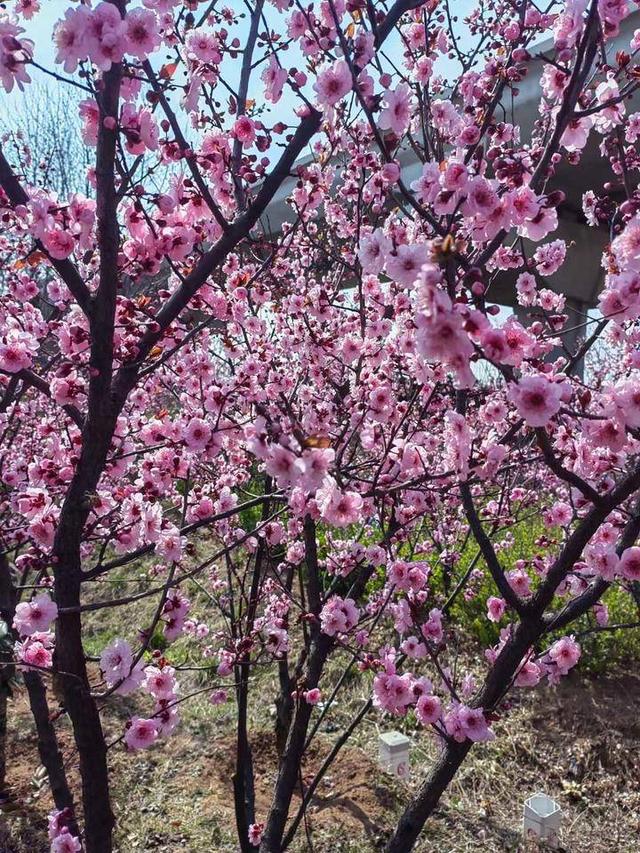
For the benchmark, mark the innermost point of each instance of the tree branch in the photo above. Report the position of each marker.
(67, 271)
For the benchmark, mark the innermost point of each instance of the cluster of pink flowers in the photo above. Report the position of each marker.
(101, 35)
(160, 682)
(35, 651)
(396, 694)
(15, 53)
(440, 333)
(464, 723)
(339, 616)
(620, 299)
(563, 655)
(601, 557)
(19, 337)
(538, 398)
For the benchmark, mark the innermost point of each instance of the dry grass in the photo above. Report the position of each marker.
(578, 743)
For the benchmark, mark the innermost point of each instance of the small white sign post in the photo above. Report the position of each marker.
(394, 753)
(542, 818)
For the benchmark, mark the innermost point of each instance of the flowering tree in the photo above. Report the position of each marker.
(279, 432)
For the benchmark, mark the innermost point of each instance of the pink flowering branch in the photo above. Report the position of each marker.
(184, 145)
(64, 267)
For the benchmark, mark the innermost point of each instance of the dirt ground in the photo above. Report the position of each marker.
(578, 743)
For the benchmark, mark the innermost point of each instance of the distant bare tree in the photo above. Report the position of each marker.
(45, 125)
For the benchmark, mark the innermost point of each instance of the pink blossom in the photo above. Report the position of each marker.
(495, 608)
(15, 53)
(141, 33)
(141, 733)
(576, 134)
(529, 674)
(273, 77)
(543, 223)
(432, 628)
(36, 652)
(406, 263)
(396, 112)
(244, 131)
(603, 559)
(629, 565)
(537, 399)
(428, 710)
(339, 616)
(197, 434)
(481, 198)
(440, 334)
(413, 648)
(161, 683)
(204, 46)
(333, 83)
(312, 697)
(463, 723)
(106, 30)
(526, 288)
(276, 640)
(315, 465)
(561, 513)
(59, 244)
(255, 834)
(14, 353)
(116, 661)
(519, 581)
(565, 653)
(627, 397)
(392, 693)
(338, 508)
(218, 697)
(27, 8)
(373, 251)
(550, 257)
(35, 616)
(71, 37)
(282, 464)
(65, 843)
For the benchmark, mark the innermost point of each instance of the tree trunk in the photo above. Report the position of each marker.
(80, 705)
(289, 770)
(494, 688)
(48, 748)
(4, 695)
(425, 801)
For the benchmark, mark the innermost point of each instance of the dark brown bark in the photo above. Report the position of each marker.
(48, 747)
(4, 697)
(284, 707)
(7, 609)
(289, 770)
(96, 439)
(243, 779)
(428, 796)
(284, 701)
